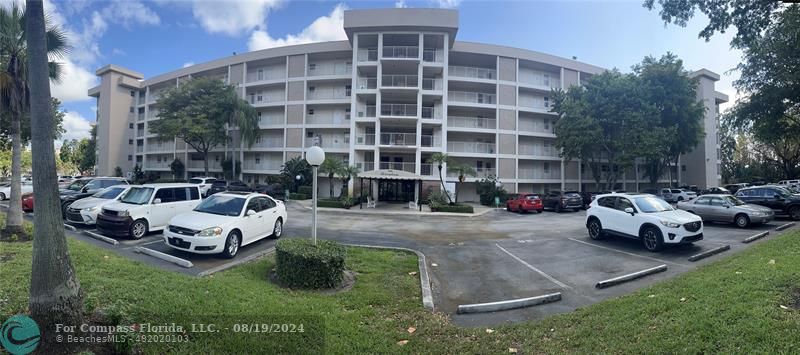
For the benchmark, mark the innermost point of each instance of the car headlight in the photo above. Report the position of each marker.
(124, 213)
(90, 209)
(669, 224)
(210, 232)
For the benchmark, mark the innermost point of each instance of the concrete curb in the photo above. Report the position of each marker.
(630, 277)
(424, 279)
(72, 228)
(508, 304)
(101, 238)
(238, 262)
(782, 227)
(708, 253)
(166, 257)
(386, 213)
(755, 237)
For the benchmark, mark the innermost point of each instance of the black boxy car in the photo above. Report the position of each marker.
(225, 185)
(779, 199)
(563, 200)
(275, 191)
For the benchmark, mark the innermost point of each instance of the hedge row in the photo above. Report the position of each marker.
(297, 196)
(455, 208)
(305, 190)
(301, 264)
(330, 203)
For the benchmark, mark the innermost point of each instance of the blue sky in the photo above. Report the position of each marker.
(154, 37)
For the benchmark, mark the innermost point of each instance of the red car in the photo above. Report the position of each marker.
(27, 202)
(525, 202)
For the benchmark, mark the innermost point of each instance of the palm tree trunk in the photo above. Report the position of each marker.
(14, 217)
(205, 165)
(55, 293)
(330, 182)
(441, 179)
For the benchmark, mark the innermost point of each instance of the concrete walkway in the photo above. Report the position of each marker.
(393, 209)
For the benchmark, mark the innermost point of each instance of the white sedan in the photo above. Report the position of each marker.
(5, 190)
(224, 222)
(85, 210)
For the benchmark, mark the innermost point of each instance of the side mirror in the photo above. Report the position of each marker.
(156, 201)
(249, 213)
(84, 189)
(629, 210)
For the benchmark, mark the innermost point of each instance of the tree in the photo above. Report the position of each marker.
(228, 168)
(87, 152)
(67, 151)
(440, 159)
(294, 167)
(750, 17)
(347, 173)
(118, 171)
(200, 111)
(463, 171)
(15, 94)
(331, 166)
(55, 293)
(138, 174)
(177, 169)
(25, 125)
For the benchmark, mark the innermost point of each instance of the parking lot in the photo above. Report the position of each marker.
(494, 257)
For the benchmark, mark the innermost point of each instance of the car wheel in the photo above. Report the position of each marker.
(508, 207)
(558, 208)
(794, 213)
(231, 245)
(138, 229)
(652, 239)
(64, 207)
(595, 229)
(277, 230)
(2, 196)
(742, 221)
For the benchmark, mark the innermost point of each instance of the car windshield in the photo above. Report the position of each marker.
(733, 200)
(138, 195)
(109, 193)
(195, 181)
(77, 185)
(222, 205)
(651, 204)
(783, 192)
(532, 197)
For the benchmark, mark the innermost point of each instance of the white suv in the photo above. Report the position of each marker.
(644, 217)
(203, 182)
(790, 183)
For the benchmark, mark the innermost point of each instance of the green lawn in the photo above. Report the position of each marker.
(731, 306)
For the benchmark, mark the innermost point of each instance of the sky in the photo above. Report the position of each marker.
(158, 36)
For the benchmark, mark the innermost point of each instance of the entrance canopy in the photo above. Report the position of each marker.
(389, 174)
(394, 185)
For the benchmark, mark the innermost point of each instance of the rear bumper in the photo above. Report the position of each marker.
(114, 226)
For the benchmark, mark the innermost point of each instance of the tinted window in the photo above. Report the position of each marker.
(220, 183)
(166, 195)
(195, 181)
(266, 203)
(572, 194)
(555, 194)
(532, 197)
(194, 193)
(676, 191)
(623, 203)
(221, 205)
(94, 184)
(109, 193)
(606, 202)
(702, 201)
(181, 194)
(254, 205)
(716, 201)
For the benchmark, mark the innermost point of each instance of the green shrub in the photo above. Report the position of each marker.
(305, 190)
(454, 208)
(297, 196)
(330, 203)
(301, 264)
(437, 198)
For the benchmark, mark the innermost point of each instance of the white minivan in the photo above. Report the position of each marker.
(147, 208)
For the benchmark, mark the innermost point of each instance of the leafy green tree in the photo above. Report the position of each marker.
(88, 154)
(199, 113)
(138, 174)
(347, 173)
(227, 168)
(331, 167)
(440, 159)
(488, 189)
(5, 162)
(177, 169)
(67, 151)
(294, 167)
(15, 93)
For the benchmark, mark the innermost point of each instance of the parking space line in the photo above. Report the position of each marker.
(627, 253)
(540, 272)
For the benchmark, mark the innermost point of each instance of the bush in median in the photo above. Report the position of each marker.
(455, 208)
(301, 264)
(305, 190)
(296, 196)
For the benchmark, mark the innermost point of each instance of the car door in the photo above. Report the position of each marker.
(626, 223)
(270, 212)
(773, 199)
(252, 226)
(700, 206)
(718, 210)
(164, 210)
(605, 212)
(183, 200)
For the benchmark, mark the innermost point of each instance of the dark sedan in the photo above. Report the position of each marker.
(224, 185)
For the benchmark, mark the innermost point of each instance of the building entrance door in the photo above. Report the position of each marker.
(395, 190)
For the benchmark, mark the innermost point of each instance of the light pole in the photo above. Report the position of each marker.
(314, 156)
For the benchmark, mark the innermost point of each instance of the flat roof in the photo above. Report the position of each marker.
(119, 69)
(402, 19)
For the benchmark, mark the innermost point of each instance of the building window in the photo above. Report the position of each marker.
(261, 74)
(259, 114)
(546, 101)
(130, 125)
(546, 167)
(311, 88)
(312, 67)
(130, 141)
(258, 160)
(131, 110)
(683, 167)
(348, 90)
(216, 158)
(133, 93)
(310, 111)
(130, 157)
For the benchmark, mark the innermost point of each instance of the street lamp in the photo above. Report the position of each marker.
(314, 156)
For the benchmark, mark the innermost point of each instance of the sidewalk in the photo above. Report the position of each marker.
(394, 209)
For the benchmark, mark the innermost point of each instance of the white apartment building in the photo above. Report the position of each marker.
(398, 90)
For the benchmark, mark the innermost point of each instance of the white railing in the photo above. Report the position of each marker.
(471, 147)
(426, 169)
(400, 52)
(335, 94)
(140, 116)
(398, 110)
(367, 83)
(470, 96)
(471, 122)
(268, 142)
(155, 147)
(399, 139)
(472, 72)
(431, 83)
(365, 139)
(139, 149)
(157, 165)
(257, 98)
(539, 102)
(340, 118)
(404, 81)
(141, 100)
(433, 55)
(330, 142)
(266, 73)
(431, 113)
(479, 173)
(429, 140)
(409, 167)
(365, 166)
(198, 164)
(538, 174)
(536, 126)
(539, 79)
(537, 150)
(271, 120)
(367, 54)
(366, 111)
(318, 69)
(263, 165)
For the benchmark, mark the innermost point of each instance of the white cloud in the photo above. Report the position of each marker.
(75, 82)
(400, 4)
(449, 4)
(188, 64)
(128, 13)
(76, 127)
(325, 28)
(232, 17)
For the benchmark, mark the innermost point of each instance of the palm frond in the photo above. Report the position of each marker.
(55, 71)
(57, 46)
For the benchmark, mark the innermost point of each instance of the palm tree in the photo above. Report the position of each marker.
(463, 170)
(294, 167)
(331, 166)
(55, 293)
(347, 173)
(440, 159)
(14, 93)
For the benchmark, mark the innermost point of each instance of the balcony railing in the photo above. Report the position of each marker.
(538, 174)
(538, 150)
(404, 81)
(271, 120)
(268, 142)
(408, 110)
(139, 149)
(367, 54)
(428, 140)
(365, 166)
(319, 69)
(161, 165)
(472, 72)
(262, 165)
(263, 74)
(426, 169)
(399, 139)
(409, 167)
(431, 84)
(539, 79)
(479, 173)
(432, 55)
(401, 52)
(367, 83)
(327, 141)
(470, 96)
(198, 164)
(265, 98)
(471, 147)
(366, 111)
(471, 122)
(329, 94)
(340, 118)
(538, 102)
(365, 139)
(431, 113)
(140, 116)
(535, 126)
(141, 100)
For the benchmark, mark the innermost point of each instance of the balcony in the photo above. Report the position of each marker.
(141, 100)
(139, 149)
(539, 79)
(426, 169)
(323, 69)
(432, 55)
(366, 166)
(268, 142)
(367, 83)
(399, 139)
(480, 173)
(472, 72)
(255, 99)
(337, 94)
(367, 54)
(401, 52)
(402, 81)
(409, 167)
(160, 165)
(431, 84)
(367, 111)
(471, 122)
(262, 165)
(140, 116)
(341, 118)
(328, 141)
(271, 120)
(536, 126)
(536, 102)
(429, 140)
(266, 73)
(404, 110)
(198, 164)
(472, 97)
(432, 113)
(365, 139)
(537, 150)
(471, 147)
(538, 174)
